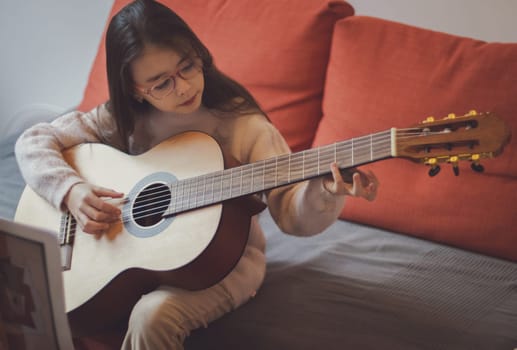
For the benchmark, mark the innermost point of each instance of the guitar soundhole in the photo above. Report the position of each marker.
(150, 204)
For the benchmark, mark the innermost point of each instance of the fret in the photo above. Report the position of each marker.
(276, 171)
(236, 177)
(179, 192)
(187, 202)
(327, 155)
(247, 181)
(383, 147)
(200, 191)
(196, 193)
(263, 174)
(208, 189)
(340, 151)
(190, 197)
(240, 181)
(353, 151)
(180, 187)
(220, 185)
(371, 147)
(212, 187)
(360, 151)
(311, 163)
(319, 161)
(217, 186)
(296, 164)
(270, 179)
(258, 177)
(225, 185)
(204, 191)
(229, 190)
(172, 189)
(289, 169)
(303, 165)
(282, 166)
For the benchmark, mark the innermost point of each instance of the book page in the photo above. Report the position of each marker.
(32, 312)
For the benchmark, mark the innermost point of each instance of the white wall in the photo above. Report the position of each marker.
(489, 20)
(47, 49)
(48, 45)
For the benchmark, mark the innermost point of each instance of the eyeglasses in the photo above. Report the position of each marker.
(190, 68)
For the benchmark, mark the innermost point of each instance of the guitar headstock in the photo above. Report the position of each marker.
(470, 137)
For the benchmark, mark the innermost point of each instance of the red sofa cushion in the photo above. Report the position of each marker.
(277, 49)
(383, 74)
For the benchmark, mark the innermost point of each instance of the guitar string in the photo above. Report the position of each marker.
(361, 148)
(310, 161)
(244, 170)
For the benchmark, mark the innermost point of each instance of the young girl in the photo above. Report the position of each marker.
(162, 82)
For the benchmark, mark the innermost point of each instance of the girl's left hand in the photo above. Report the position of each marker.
(360, 184)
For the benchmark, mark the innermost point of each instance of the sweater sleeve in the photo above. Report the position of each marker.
(39, 150)
(303, 209)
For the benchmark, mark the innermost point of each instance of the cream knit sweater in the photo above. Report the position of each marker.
(301, 209)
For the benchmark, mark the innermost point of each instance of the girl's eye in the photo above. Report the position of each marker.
(188, 67)
(164, 85)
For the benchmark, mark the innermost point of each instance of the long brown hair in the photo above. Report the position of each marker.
(149, 22)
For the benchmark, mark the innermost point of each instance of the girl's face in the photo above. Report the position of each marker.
(167, 80)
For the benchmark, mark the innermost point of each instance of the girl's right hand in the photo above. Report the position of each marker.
(93, 214)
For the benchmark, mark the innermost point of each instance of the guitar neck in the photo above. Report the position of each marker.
(278, 171)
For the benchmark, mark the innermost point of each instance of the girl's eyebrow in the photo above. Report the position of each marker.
(155, 77)
(159, 75)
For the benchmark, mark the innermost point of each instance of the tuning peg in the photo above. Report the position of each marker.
(475, 164)
(478, 168)
(450, 116)
(435, 168)
(472, 113)
(429, 119)
(455, 167)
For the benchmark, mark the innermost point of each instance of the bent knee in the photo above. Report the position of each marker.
(149, 319)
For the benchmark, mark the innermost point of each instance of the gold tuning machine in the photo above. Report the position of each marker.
(454, 160)
(478, 168)
(435, 168)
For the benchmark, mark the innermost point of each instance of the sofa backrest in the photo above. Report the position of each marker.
(384, 74)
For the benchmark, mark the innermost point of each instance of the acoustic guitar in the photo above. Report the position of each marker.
(186, 214)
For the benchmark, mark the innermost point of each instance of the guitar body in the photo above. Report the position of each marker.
(191, 250)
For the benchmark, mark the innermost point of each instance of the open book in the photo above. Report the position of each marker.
(32, 312)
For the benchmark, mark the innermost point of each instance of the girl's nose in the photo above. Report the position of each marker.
(182, 86)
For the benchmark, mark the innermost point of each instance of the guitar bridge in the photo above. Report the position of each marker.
(66, 238)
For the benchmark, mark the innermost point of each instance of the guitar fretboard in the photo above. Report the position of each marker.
(278, 171)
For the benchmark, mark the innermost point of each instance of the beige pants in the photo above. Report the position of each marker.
(163, 318)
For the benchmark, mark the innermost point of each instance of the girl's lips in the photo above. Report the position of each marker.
(190, 101)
